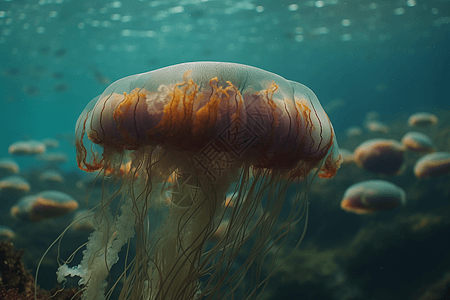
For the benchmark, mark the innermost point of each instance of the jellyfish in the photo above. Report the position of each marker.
(347, 156)
(82, 220)
(418, 142)
(61, 87)
(55, 158)
(30, 147)
(8, 166)
(433, 165)
(51, 176)
(354, 131)
(422, 119)
(380, 156)
(44, 205)
(50, 143)
(6, 233)
(372, 196)
(11, 188)
(377, 126)
(14, 183)
(195, 133)
(372, 116)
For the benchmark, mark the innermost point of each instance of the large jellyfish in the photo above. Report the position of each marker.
(191, 134)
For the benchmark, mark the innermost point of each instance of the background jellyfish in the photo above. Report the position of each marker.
(380, 155)
(44, 205)
(418, 142)
(14, 183)
(8, 166)
(192, 134)
(27, 148)
(432, 165)
(422, 119)
(371, 196)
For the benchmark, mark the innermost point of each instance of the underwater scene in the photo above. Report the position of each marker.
(225, 149)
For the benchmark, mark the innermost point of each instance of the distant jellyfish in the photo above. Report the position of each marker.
(418, 142)
(334, 104)
(220, 232)
(381, 87)
(354, 131)
(8, 166)
(44, 205)
(53, 158)
(31, 90)
(44, 50)
(422, 119)
(377, 126)
(372, 116)
(60, 52)
(50, 143)
(372, 196)
(68, 137)
(6, 233)
(433, 165)
(30, 147)
(347, 156)
(51, 176)
(100, 77)
(212, 125)
(14, 183)
(83, 220)
(58, 75)
(38, 69)
(11, 72)
(380, 156)
(61, 87)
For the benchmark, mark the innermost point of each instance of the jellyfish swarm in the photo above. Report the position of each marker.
(193, 133)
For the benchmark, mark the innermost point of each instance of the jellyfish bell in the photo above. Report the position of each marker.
(8, 166)
(6, 233)
(82, 220)
(371, 196)
(152, 114)
(347, 156)
(11, 188)
(417, 142)
(422, 119)
(53, 158)
(30, 147)
(51, 176)
(433, 165)
(372, 116)
(50, 143)
(14, 183)
(194, 132)
(354, 131)
(380, 156)
(44, 205)
(377, 126)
